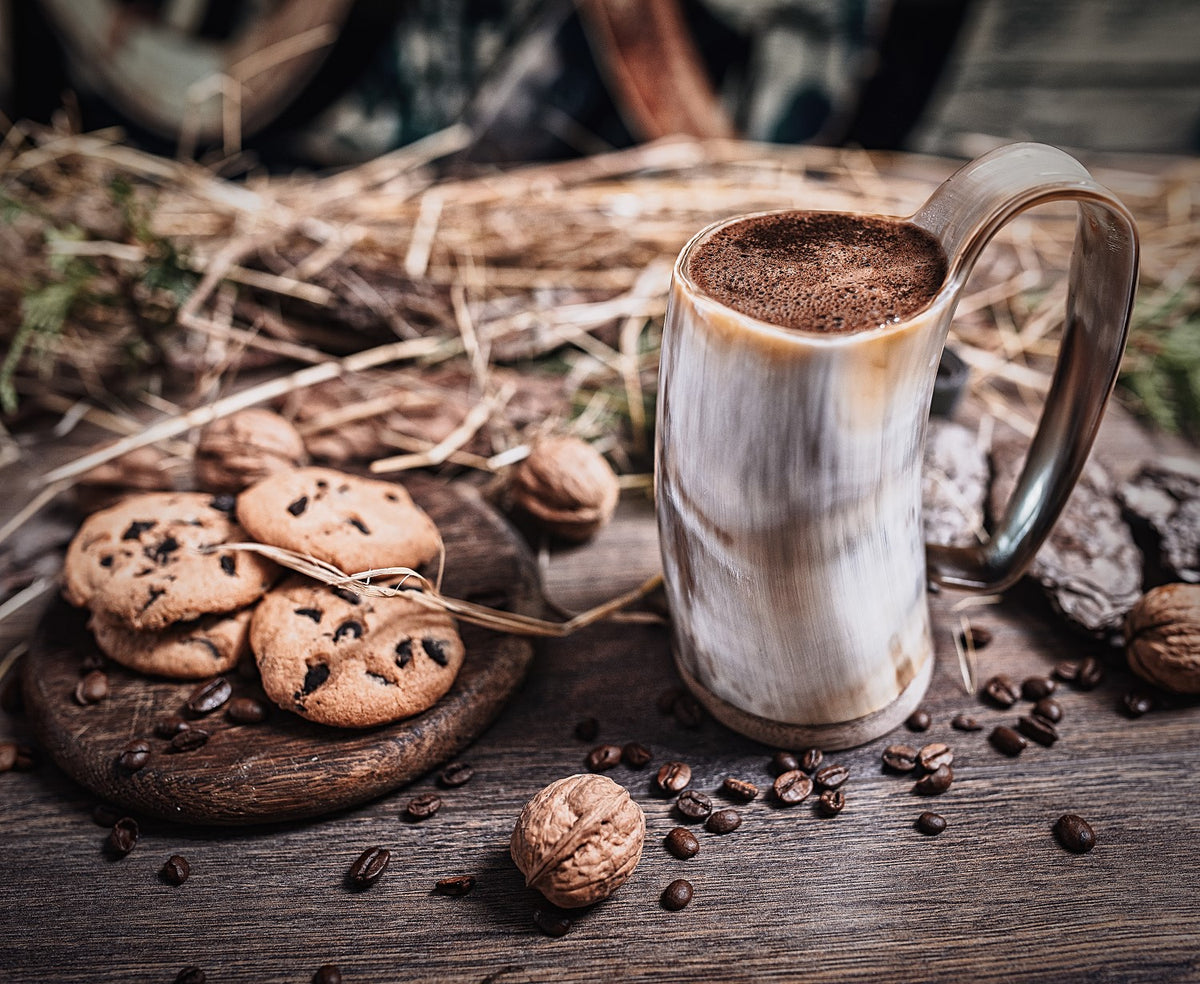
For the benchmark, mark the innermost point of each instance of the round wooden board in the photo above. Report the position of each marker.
(286, 768)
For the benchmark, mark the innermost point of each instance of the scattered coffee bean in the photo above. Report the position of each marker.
(92, 689)
(207, 697)
(693, 805)
(191, 975)
(723, 822)
(682, 843)
(831, 777)
(1048, 709)
(976, 637)
(1002, 691)
(782, 762)
(935, 755)
(551, 921)
(931, 823)
(1074, 833)
(792, 787)
(673, 777)
(636, 755)
(900, 758)
(964, 722)
(1007, 741)
(369, 866)
(327, 974)
(1090, 674)
(1035, 728)
(1136, 704)
(739, 789)
(936, 782)
(919, 720)
(123, 837)
(456, 775)
(1066, 671)
(688, 712)
(133, 756)
(603, 757)
(1037, 688)
(587, 729)
(169, 727)
(188, 741)
(26, 758)
(424, 806)
(92, 660)
(246, 710)
(455, 886)
(677, 895)
(104, 815)
(831, 803)
(8, 755)
(176, 871)
(811, 759)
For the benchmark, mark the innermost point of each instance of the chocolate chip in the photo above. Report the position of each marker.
(137, 528)
(359, 525)
(350, 627)
(347, 595)
(435, 649)
(316, 675)
(224, 502)
(298, 507)
(161, 552)
(313, 613)
(229, 565)
(106, 560)
(380, 679)
(403, 653)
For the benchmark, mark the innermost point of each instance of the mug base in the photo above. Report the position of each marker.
(829, 737)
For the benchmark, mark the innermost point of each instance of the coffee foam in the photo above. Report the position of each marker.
(826, 272)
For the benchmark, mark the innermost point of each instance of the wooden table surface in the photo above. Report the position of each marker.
(790, 895)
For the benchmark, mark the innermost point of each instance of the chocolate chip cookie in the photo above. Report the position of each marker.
(350, 661)
(356, 524)
(191, 650)
(154, 559)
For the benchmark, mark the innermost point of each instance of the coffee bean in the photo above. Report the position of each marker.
(587, 729)
(1090, 674)
(246, 710)
(1074, 833)
(169, 727)
(811, 759)
(782, 762)
(919, 720)
(900, 758)
(931, 823)
(831, 777)
(682, 843)
(8, 755)
(133, 756)
(603, 757)
(1136, 704)
(92, 689)
(123, 837)
(831, 802)
(191, 975)
(792, 787)
(188, 741)
(104, 815)
(327, 974)
(1067, 670)
(207, 697)
(975, 636)
(423, 807)
(673, 777)
(635, 755)
(369, 866)
(677, 895)
(26, 758)
(964, 722)
(688, 712)
(1002, 691)
(1048, 709)
(1036, 688)
(693, 805)
(739, 789)
(934, 755)
(723, 822)
(1043, 732)
(551, 921)
(936, 783)
(455, 775)
(455, 886)
(176, 871)
(92, 660)
(1005, 740)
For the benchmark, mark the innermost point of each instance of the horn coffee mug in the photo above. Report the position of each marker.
(798, 360)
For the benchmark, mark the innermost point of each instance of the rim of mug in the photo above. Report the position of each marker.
(946, 296)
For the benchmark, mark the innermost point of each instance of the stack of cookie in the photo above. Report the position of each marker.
(169, 595)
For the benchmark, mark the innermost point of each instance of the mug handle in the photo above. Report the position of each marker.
(964, 214)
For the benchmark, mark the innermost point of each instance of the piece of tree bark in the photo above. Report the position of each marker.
(1165, 495)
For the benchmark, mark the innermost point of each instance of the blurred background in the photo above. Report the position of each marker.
(333, 82)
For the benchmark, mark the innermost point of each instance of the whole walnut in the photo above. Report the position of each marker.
(579, 839)
(1162, 637)
(236, 451)
(566, 487)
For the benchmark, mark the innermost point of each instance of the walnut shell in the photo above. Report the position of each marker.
(566, 487)
(1162, 637)
(579, 839)
(236, 451)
